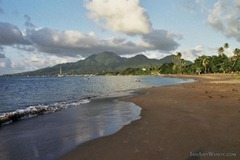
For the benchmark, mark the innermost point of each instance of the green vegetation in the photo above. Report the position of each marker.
(105, 63)
(109, 63)
(205, 64)
(220, 63)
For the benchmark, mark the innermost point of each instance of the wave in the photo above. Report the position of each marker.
(32, 111)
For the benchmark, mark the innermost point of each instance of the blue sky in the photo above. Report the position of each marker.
(37, 34)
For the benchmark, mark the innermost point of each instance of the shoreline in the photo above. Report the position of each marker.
(56, 134)
(189, 118)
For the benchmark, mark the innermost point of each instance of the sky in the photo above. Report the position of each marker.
(37, 34)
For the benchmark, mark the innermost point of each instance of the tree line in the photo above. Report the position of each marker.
(220, 63)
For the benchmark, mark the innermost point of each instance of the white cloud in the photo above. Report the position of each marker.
(238, 2)
(57, 46)
(149, 54)
(192, 53)
(193, 5)
(33, 61)
(2, 64)
(5, 66)
(225, 18)
(228, 52)
(155, 54)
(1, 52)
(66, 43)
(73, 43)
(125, 16)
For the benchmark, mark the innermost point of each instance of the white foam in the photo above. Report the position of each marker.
(32, 111)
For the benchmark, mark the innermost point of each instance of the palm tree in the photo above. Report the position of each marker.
(235, 57)
(205, 62)
(221, 51)
(157, 67)
(177, 62)
(226, 45)
(179, 55)
(182, 65)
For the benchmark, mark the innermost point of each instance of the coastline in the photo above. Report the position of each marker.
(176, 122)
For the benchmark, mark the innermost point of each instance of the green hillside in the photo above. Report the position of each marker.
(100, 63)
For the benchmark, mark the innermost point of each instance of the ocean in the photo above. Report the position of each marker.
(52, 115)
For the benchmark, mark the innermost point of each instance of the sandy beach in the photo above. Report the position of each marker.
(183, 122)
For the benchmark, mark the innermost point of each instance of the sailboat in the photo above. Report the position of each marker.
(60, 72)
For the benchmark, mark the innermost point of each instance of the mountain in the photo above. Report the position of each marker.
(99, 63)
(166, 59)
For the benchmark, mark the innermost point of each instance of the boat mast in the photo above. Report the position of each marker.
(60, 72)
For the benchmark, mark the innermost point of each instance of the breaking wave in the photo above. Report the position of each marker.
(32, 111)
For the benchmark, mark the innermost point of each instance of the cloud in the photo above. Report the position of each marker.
(224, 17)
(2, 55)
(10, 34)
(5, 63)
(124, 16)
(32, 61)
(37, 61)
(48, 47)
(194, 5)
(25, 48)
(1, 48)
(118, 40)
(162, 40)
(5, 66)
(192, 53)
(237, 2)
(65, 43)
(74, 43)
(1, 52)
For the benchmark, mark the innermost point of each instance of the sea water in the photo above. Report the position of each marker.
(87, 107)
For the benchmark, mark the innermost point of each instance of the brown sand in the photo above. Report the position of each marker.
(176, 120)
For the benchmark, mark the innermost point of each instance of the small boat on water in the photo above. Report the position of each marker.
(87, 77)
(60, 72)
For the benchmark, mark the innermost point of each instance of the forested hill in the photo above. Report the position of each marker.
(100, 63)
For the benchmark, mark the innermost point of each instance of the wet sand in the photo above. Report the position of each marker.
(178, 123)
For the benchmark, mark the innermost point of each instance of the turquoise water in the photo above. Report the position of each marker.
(89, 110)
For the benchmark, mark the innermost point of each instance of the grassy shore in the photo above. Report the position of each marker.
(178, 122)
